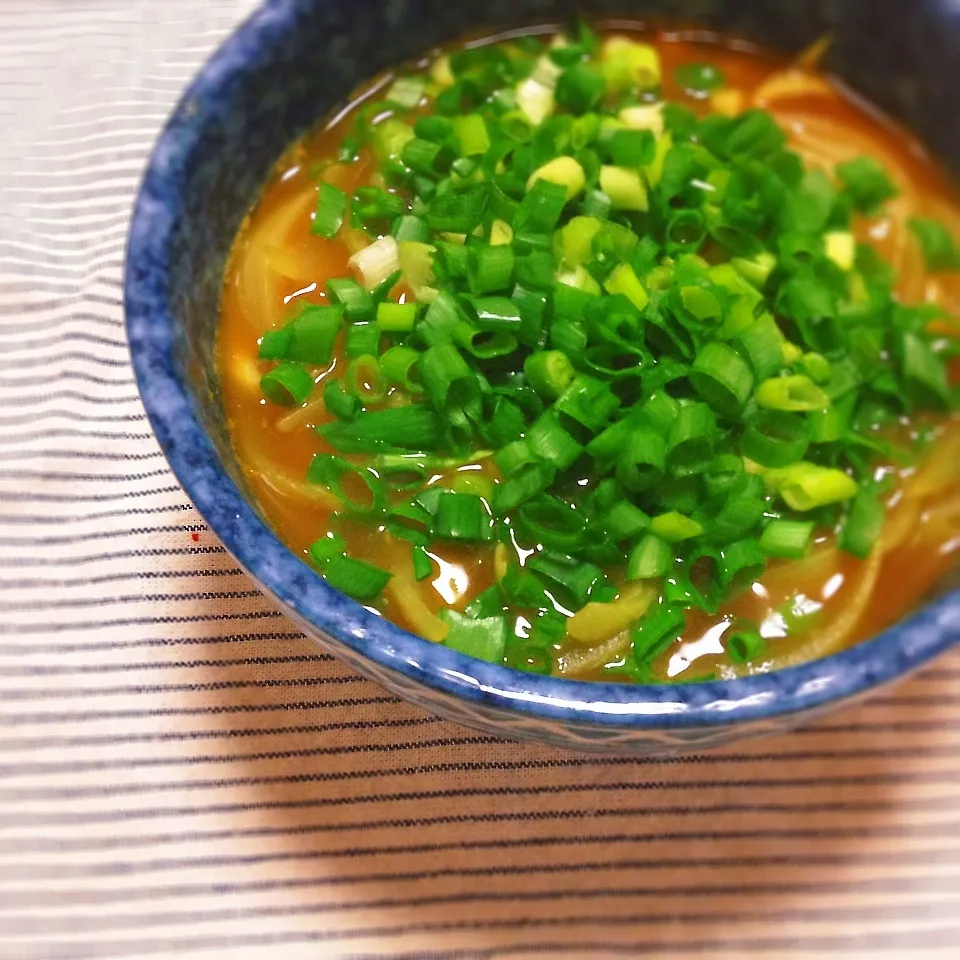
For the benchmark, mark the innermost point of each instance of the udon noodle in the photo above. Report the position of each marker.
(804, 609)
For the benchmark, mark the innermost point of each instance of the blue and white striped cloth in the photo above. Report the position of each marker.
(183, 775)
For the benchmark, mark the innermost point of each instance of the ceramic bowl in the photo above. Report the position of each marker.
(284, 70)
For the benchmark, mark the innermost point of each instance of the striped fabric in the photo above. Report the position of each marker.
(183, 775)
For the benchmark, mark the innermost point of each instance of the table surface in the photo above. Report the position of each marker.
(183, 774)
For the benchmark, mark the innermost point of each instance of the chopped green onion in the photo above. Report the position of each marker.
(722, 474)
(741, 563)
(376, 263)
(623, 521)
(398, 365)
(343, 405)
(406, 92)
(806, 486)
(461, 516)
(745, 646)
(775, 439)
(331, 210)
(588, 401)
(552, 443)
(275, 343)
(447, 379)
(356, 302)
(322, 551)
(417, 267)
(628, 63)
(646, 317)
(362, 339)
(924, 373)
(489, 604)
(642, 460)
(372, 203)
(624, 281)
(658, 629)
(794, 393)
(686, 231)
(458, 211)
(309, 338)
(762, 342)
(817, 367)
(577, 579)
(437, 129)
(576, 240)
(757, 269)
(426, 157)
(287, 384)
(723, 378)
(513, 456)
(475, 484)
(521, 486)
(674, 527)
(650, 558)
(364, 379)
(485, 344)
(625, 188)
(483, 638)
(396, 317)
(362, 581)
(472, 135)
(564, 172)
(407, 521)
(360, 491)
(699, 79)
(787, 539)
(489, 269)
(422, 563)
(738, 517)
(389, 137)
(501, 233)
(632, 148)
(863, 525)
(523, 588)
(415, 427)
(867, 182)
(536, 269)
(506, 423)
(411, 229)
(579, 88)
(938, 244)
(541, 207)
(691, 440)
(549, 372)
(754, 135)
(841, 247)
(551, 523)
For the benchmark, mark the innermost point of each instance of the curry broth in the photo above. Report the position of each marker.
(265, 286)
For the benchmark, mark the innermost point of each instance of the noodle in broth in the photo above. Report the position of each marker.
(803, 609)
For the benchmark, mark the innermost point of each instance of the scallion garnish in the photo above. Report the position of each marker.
(627, 337)
(699, 79)
(331, 209)
(287, 384)
(938, 244)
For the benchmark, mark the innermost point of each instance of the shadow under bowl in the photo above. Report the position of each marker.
(281, 72)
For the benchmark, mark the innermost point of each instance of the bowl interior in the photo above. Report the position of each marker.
(287, 68)
(306, 57)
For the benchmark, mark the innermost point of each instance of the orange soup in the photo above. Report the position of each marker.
(610, 355)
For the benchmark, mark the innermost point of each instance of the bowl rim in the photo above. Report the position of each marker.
(151, 325)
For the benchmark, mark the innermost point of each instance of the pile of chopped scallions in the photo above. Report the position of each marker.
(658, 326)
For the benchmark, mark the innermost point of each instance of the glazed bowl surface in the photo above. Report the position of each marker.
(282, 71)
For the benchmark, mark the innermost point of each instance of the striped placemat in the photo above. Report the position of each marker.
(183, 775)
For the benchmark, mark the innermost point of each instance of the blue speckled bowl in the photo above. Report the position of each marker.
(285, 69)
